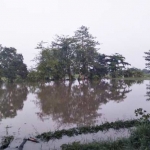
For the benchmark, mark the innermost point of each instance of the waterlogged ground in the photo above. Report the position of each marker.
(30, 109)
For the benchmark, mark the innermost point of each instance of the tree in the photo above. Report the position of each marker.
(99, 68)
(132, 72)
(11, 64)
(66, 54)
(78, 55)
(86, 50)
(33, 76)
(47, 64)
(57, 60)
(116, 63)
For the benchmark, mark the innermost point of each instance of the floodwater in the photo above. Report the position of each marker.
(28, 109)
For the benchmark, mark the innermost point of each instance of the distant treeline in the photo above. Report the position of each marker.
(66, 58)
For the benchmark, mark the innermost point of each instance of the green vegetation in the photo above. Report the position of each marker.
(84, 130)
(11, 65)
(68, 57)
(139, 139)
(77, 55)
(133, 72)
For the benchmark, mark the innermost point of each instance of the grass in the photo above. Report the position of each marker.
(139, 140)
(89, 129)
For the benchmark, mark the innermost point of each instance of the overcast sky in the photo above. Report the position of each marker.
(123, 26)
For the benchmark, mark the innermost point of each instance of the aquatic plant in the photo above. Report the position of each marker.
(139, 140)
(89, 129)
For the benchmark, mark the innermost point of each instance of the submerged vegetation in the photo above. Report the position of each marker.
(139, 139)
(66, 105)
(93, 129)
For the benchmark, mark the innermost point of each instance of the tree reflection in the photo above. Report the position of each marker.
(12, 97)
(78, 103)
(148, 92)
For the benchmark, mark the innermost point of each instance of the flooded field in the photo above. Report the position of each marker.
(30, 109)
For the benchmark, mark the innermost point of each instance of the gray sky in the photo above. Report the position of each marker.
(123, 26)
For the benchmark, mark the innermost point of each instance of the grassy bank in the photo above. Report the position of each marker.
(139, 140)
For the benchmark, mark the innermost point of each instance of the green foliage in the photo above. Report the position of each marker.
(33, 76)
(57, 61)
(116, 64)
(11, 64)
(86, 50)
(67, 56)
(99, 68)
(84, 130)
(133, 72)
(139, 139)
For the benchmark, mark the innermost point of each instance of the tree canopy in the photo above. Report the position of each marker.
(11, 64)
(67, 57)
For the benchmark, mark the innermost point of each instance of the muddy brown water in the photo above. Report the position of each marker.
(28, 109)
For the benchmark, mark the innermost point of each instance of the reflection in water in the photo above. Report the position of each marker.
(148, 92)
(68, 103)
(78, 103)
(12, 97)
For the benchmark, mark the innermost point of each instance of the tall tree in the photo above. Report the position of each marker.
(99, 68)
(12, 65)
(77, 55)
(86, 50)
(58, 59)
(67, 53)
